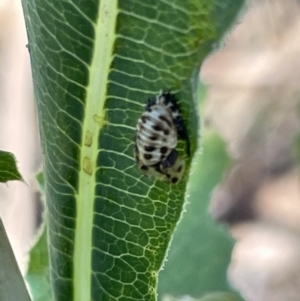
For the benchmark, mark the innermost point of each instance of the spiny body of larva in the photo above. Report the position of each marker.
(157, 134)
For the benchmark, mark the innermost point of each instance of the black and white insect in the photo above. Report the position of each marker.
(157, 133)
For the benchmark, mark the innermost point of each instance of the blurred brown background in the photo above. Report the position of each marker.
(253, 101)
(18, 130)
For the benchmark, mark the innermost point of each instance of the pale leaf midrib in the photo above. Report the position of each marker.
(92, 124)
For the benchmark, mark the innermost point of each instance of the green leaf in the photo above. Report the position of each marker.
(94, 65)
(201, 249)
(8, 168)
(12, 285)
(38, 272)
(41, 181)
